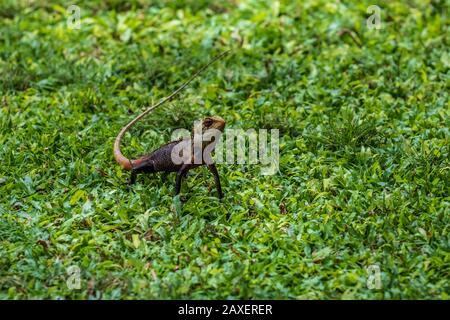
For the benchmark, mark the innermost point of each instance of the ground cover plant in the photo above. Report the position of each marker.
(363, 180)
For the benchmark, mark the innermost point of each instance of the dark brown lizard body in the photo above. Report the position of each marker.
(161, 159)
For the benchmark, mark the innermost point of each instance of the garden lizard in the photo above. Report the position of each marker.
(161, 160)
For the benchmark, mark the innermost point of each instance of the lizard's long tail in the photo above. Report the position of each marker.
(128, 164)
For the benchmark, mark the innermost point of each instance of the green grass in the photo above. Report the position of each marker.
(364, 150)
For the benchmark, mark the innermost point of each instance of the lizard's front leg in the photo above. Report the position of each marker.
(213, 169)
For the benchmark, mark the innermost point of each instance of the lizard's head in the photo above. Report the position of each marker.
(213, 122)
(211, 129)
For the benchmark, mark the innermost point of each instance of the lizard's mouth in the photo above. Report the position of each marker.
(221, 126)
(218, 123)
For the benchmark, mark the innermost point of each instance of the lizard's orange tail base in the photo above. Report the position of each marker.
(124, 162)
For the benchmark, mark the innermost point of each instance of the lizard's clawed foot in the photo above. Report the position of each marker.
(181, 198)
(130, 183)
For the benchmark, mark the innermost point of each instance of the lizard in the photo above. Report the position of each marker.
(161, 160)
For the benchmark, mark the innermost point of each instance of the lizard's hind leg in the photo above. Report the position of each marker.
(180, 175)
(146, 166)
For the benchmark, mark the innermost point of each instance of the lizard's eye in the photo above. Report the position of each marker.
(208, 122)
